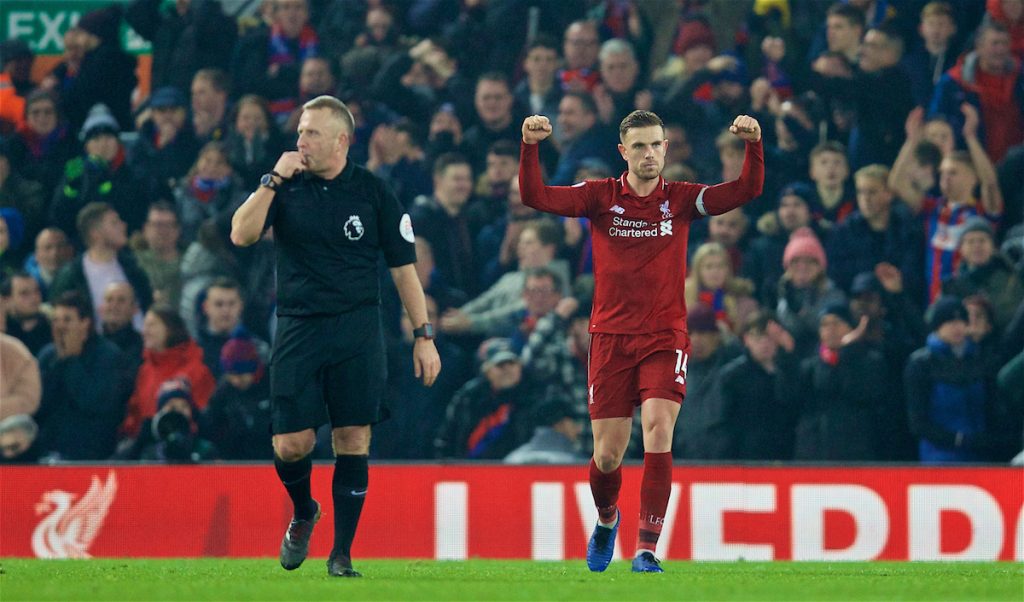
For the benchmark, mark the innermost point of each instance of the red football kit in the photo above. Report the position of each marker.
(639, 269)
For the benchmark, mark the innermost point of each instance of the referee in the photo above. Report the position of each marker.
(331, 221)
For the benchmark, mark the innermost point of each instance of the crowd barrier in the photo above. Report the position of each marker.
(455, 512)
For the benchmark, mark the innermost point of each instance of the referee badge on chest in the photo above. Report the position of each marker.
(353, 228)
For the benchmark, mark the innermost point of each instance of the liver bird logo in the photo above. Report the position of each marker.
(69, 527)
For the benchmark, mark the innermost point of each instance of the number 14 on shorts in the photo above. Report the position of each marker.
(681, 359)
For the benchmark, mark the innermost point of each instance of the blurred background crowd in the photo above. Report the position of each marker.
(867, 307)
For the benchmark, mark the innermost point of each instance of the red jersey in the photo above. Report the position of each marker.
(639, 242)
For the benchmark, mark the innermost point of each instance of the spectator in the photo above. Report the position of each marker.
(107, 74)
(396, 155)
(166, 147)
(442, 220)
(698, 433)
(616, 95)
(711, 283)
(39, 150)
(116, 315)
(935, 55)
(267, 62)
(210, 190)
(875, 136)
(844, 28)
(16, 60)
(762, 264)
(804, 289)
(497, 310)
(1010, 14)
(52, 252)
(316, 78)
(840, 410)
(428, 76)
(210, 89)
(106, 259)
(99, 174)
(580, 47)
(489, 416)
(757, 417)
(538, 92)
(64, 74)
(188, 36)
(944, 216)
(26, 196)
(86, 384)
(915, 173)
(159, 252)
(238, 416)
(19, 443)
(222, 319)
(168, 352)
(829, 172)
(580, 135)
(495, 120)
(948, 398)
(878, 231)
(253, 143)
(171, 435)
(19, 378)
(983, 270)
(989, 79)
(555, 439)
(25, 320)
(729, 230)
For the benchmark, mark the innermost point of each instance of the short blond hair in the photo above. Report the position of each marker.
(875, 171)
(337, 109)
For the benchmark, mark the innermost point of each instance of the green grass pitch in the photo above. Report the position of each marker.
(220, 579)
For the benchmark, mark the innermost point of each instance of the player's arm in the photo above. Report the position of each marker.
(568, 201)
(248, 221)
(721, 198)
(426, 361)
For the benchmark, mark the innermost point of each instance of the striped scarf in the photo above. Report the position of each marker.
(281, 54)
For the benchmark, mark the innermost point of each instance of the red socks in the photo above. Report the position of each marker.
(654, 491)
(605, 488)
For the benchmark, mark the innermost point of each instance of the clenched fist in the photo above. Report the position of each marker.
(537, 128)
(746, 127)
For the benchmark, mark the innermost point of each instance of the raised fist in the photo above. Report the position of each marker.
(746, 127)
(536, 128)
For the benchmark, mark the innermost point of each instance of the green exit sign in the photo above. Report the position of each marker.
(42, 23)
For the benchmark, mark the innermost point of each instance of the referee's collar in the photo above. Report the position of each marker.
(345, 176)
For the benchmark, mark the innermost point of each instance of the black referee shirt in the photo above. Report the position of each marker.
(329, 235)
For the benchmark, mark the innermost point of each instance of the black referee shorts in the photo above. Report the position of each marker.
(327, 368)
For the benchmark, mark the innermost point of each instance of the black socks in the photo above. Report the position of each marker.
(349, 488)
(295, 476)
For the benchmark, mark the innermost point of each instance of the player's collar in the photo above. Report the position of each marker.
(627, 191)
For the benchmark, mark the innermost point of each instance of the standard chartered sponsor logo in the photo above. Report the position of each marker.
(638, 228)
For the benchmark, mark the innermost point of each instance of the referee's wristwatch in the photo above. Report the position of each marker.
(268, 181)
(424, 332)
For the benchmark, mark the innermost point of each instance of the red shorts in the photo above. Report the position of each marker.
(626, 369)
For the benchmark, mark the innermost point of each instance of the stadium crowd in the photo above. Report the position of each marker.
(868, 307)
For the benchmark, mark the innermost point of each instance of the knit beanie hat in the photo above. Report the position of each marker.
(99, 121)
(803, 243)
(975, 224)
(239, 354)
(694, 32)
(700, 318)
(945, 309)
(178, 387)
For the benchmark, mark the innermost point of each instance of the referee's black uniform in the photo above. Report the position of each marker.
(328, 358)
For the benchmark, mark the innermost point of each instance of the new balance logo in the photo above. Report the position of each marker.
(617, 209)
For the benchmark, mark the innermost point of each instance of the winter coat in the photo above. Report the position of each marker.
(997, 280)
(185, 359)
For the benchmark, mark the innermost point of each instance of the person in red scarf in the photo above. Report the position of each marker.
(98, 174)
(989, 78)
(210, 189)
(268, 61)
